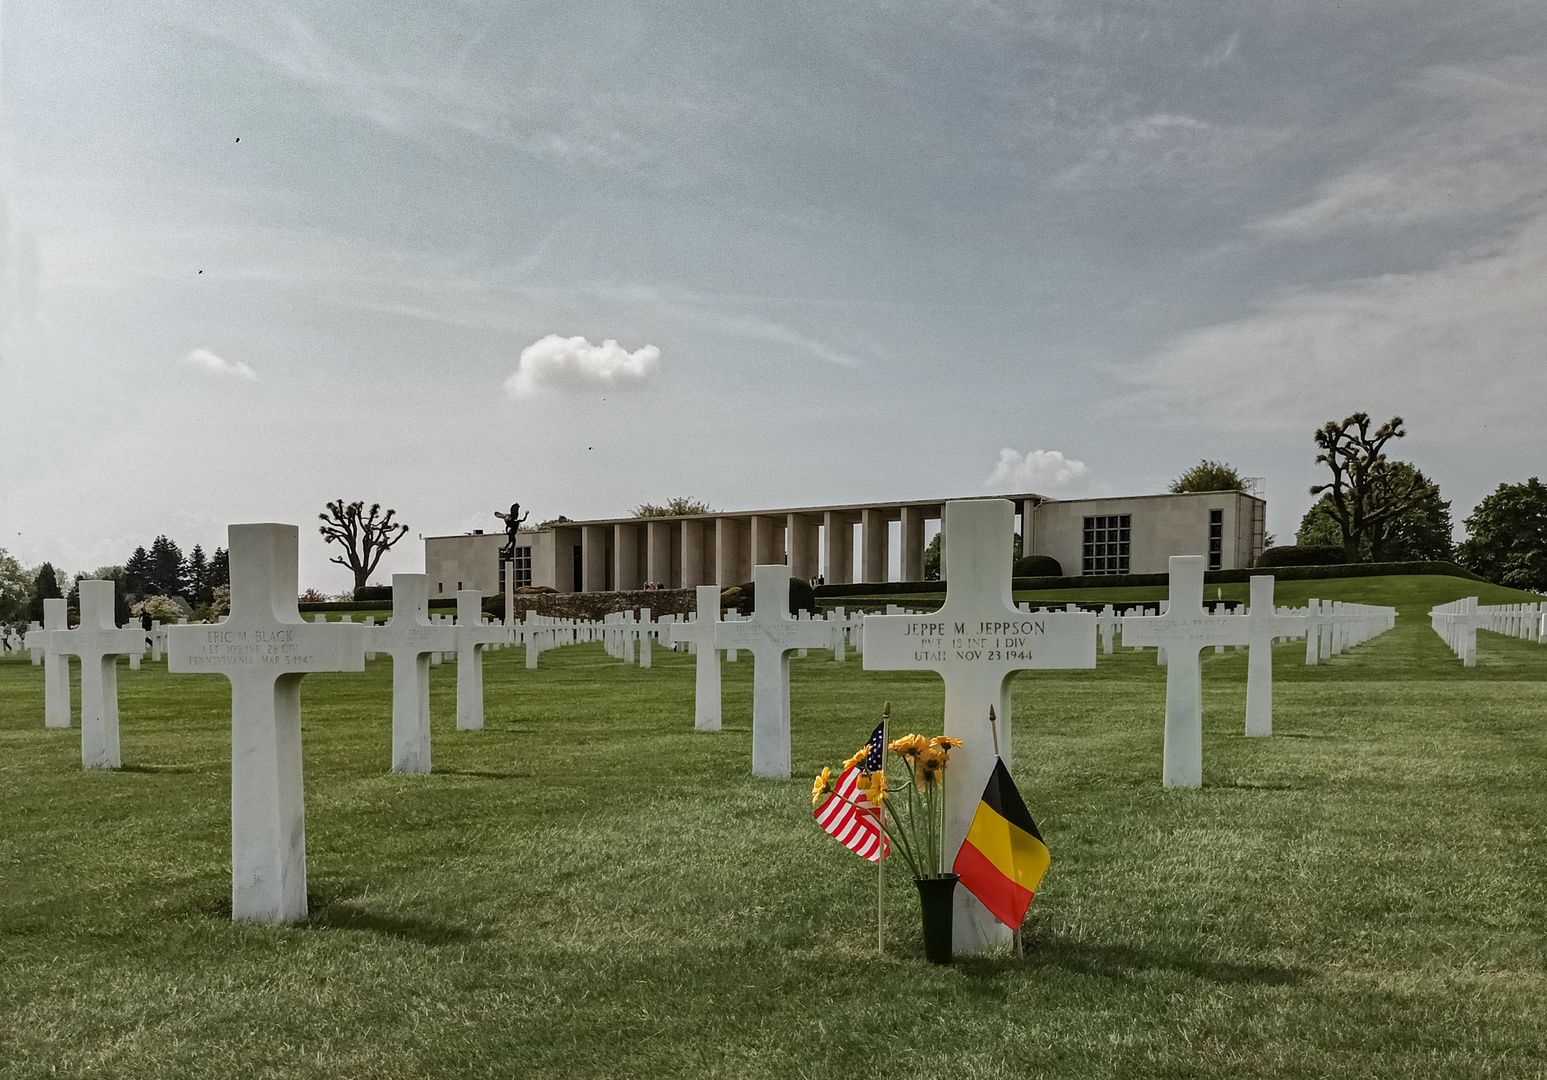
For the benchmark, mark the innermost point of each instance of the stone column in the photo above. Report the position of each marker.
(767, 545)
(693, 554)
(839, 540)
(593, 558)
(800, 534)
(873, 537)
(1028, 527)
(625, 556)
(912, 541)
(658, 552)
(729, 563)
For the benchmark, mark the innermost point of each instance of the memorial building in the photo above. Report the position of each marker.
(844, 544)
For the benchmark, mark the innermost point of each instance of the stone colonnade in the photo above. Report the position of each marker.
(721, 549)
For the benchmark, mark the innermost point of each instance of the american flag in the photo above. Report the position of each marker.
(855, 825)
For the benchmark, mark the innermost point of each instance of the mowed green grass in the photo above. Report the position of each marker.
(589, 888)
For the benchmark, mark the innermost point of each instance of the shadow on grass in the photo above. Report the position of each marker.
(1252, 785)
(347, 916)
(154, 769)
(483, 774)
(1120, 962)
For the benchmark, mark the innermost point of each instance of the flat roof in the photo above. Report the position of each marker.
(846, 508)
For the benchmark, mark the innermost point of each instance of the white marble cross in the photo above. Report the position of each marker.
(701, 633)
(56, 667)
(471, 636)
(264, 648)
(1184, 630)
(977, 642)
(770, 635)
(409, 637)
(1106, 623)
(99, 643)
(34, 645)
(1264, 624)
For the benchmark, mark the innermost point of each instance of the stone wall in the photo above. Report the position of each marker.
(596, 605)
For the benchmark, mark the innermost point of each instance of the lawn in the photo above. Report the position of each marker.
(589, 888)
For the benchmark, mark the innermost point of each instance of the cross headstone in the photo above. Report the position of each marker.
(1264, 625)
(701, 633)
(56, 667)
(471, 636)
(409, 637)
(770, 635)
(1106, 624)
(1184, 631)
(98, 642)
(977, 642)
(264, 648)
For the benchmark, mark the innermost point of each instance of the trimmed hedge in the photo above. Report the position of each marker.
(802, 597)
(1037, 566)
(1120, 581)
(368, 605)
(1296, 555)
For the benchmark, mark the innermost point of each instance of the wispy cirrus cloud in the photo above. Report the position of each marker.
(1457, 346)
(1477, 146)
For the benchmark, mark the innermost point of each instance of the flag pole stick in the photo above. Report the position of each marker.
(993, 726)
(886, 716)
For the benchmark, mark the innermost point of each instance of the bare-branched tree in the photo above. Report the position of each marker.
(1367, 490)
(365, 536)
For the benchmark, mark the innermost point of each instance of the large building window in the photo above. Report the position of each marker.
(1216, 538)
(521, 569)
(1106, 544)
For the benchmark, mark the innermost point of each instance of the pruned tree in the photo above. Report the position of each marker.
(1367, 489)
(1208, 476)
(365, 536)
(1419, 533)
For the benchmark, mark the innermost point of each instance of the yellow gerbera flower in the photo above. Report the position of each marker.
(942, 742)
(876, 793)
(859, 755)
(931, 768)
(909, 746)
(819, 785)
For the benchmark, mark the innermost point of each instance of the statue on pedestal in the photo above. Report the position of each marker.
(513, 522)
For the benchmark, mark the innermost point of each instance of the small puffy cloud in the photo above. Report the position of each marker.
(208, 360)
(573, 363)
(1037, 470)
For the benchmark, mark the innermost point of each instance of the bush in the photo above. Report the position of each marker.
(1301, 555)
(744, 597)
(1037, 566)
(375, 593)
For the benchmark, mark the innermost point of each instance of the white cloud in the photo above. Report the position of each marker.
(573, 363)
(1459, 347)
(1171, 148)
(1038, 470)
(1479, 145)
(211, 361)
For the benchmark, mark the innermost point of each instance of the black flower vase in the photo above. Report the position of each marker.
(935, 898)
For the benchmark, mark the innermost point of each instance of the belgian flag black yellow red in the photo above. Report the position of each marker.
(1003, 858)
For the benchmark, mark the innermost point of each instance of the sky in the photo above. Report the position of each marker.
(450, 256)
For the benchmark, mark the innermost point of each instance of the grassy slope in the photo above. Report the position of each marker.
(589, 888)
